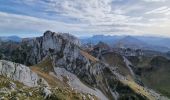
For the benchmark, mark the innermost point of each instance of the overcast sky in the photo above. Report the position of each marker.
(85, 17)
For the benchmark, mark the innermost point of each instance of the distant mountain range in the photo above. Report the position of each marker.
(11, 38)
(137, 42)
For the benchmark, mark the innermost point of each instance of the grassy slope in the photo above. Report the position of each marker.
(44, 67)
(117, 60)
(158, 77)
(138, 89)
(21, 91)
(88, 56)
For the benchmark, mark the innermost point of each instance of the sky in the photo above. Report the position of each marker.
(29, 18)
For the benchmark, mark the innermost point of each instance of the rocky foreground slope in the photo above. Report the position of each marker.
(15, 76)
(19, 82)
(58, 58)
(19, 73)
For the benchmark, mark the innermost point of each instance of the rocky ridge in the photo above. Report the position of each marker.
(19, 82)
(66, 53)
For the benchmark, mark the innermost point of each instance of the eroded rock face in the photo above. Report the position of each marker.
(51, 43)
(65, 52)
(23, 74)
(19, 73)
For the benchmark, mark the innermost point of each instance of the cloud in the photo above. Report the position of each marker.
(162, 10)
(14, 22)
(155, 0)
(86, 16)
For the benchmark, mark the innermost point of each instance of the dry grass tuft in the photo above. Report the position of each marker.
(88, 56)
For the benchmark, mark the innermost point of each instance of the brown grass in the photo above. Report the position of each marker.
(138, 89)
(45, 65)
(117, 60)
(52, 81)
(88, 56)
(43, 68)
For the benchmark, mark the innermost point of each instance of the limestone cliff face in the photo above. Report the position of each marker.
(50, 43)
(65, 52)
(19, 73)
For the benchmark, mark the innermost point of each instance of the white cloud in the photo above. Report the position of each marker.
(91, 16)
(13, 22)
(162, 10)
(85, 10)
(155, 0)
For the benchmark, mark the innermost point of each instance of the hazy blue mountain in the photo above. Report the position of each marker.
(110, 40)
(156, 40)
(143, 42)
(129, 42)
(10, 38)
(136, 43)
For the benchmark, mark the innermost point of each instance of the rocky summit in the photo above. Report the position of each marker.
(55, 66)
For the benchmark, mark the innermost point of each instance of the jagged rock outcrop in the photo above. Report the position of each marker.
(50, 43)
(19, 73)
(23, 74)
(46, 92)
(99, 49)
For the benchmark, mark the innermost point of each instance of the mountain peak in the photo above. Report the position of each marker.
(64, 36)
(48, 32)
(130, 38)
(102, 45)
